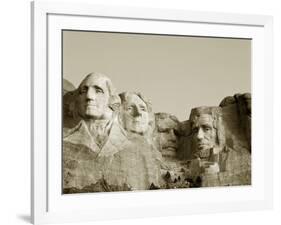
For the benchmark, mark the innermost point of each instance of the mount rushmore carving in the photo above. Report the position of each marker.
(116, 142)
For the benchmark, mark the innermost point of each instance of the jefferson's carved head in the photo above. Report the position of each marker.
(135, 112)
(95, 97)
(207, 131)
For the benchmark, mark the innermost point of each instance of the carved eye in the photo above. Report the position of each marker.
(207, 128)
(99, 90)
(143, 109)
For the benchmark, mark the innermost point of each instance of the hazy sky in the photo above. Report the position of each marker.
(177, 73)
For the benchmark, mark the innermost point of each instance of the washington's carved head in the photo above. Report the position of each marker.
(95, 97)
(135, 112)
(207, 131)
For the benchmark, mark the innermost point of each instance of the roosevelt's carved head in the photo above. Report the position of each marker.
(167, 128)
(135, 112)
(207, 131)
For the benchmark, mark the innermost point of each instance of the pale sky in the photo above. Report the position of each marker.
(177, 73)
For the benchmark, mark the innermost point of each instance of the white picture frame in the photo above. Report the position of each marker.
(49, 206)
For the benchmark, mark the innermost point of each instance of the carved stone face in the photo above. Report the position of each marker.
(135, 114)
(204, 133)
(93, 97)
(167, 131)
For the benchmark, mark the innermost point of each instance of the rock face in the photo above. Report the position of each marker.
(231, 163)
(242, 104)
(167, 132)
(70, 117)
(128, 147)
(185, 148)
(123, 163)
(167, 135)
(125, 160)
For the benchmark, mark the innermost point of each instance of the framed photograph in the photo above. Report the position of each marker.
(140, 112)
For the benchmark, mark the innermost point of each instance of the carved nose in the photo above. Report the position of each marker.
(136, 112)
(91, 94)
(172, 136)
(200, 134)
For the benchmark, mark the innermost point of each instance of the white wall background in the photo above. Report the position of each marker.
(15, 110)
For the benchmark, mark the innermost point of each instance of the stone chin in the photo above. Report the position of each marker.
(204, 145)
(92, 114)
(91, 111)
(137, 129)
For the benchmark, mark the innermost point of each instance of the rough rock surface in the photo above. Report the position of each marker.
(70, 119)
(235, 137)
(236, 156)
(242, 104)
(185, 148)
(237, 171)
(130, 162)
(167, 134)
(123, 163)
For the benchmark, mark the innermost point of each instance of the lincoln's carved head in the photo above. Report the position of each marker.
(207, 131)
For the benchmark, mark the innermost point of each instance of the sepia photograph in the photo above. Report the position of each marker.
(154, 111)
